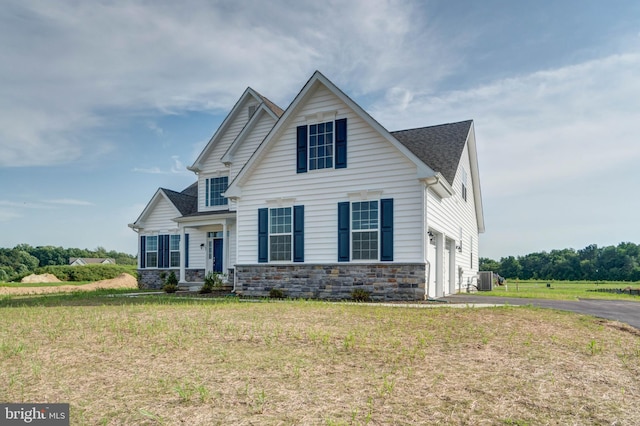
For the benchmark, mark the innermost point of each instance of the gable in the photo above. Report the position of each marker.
(317, 101)
(232, 125)
(158, 213)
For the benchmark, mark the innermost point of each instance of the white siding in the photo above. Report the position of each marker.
(448, 215)
(196, 255)
(250, 143)
(212, 166)
(160, 217)
(372, 164)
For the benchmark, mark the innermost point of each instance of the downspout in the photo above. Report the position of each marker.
(427, 183)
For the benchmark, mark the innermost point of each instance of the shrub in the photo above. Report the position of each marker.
(171, 284)
(212, 281)
(276, 293)
(360, 295)
(86, 272)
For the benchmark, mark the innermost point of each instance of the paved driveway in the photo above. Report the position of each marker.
(619, 310)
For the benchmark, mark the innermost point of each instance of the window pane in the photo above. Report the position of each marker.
(365, 246)
(280, 247)
(174, 242)
(152, 259)
(175, 259)
(215, 187)
(152, 244)
(321, 146)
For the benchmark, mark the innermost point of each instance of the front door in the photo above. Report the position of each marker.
(214, 252)
(217, 255)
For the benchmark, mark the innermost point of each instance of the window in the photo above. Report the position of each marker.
(321, 146)
(174, 251)
(364, 234)
(162, 251)
(464, 184)
(214, 188)
(152, 252)
(280, 227)
(281, 234)
(365, 230)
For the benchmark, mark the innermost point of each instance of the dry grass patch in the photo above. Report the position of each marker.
(317, 363)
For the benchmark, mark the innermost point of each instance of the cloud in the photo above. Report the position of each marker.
(177, 168)
(552, 127)
(74, 67)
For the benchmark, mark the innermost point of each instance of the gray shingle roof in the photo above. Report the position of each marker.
(184, 202)
(439, 147)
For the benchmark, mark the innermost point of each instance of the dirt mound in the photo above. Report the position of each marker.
(121, 281)
(42, 278)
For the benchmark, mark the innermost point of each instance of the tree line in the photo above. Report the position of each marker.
(592, 263)
(23, 259)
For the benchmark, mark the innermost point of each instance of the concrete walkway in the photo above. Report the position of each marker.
(618, 310)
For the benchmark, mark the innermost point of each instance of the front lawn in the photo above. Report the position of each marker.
(565, 290)
(162, 360)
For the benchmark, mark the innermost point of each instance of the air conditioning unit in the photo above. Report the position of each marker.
(486, 281)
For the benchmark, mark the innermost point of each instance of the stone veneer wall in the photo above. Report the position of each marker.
(151, 278)
(405, 281)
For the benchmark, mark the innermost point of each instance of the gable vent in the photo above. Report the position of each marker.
(252, 110)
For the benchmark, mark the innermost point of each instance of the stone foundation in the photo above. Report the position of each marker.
(384, 282)
(155, 278)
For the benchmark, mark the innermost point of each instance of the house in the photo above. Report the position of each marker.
(319, 200)
(80, 261)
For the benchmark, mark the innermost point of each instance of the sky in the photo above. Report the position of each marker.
(103, 102)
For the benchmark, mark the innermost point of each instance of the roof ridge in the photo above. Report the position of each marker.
(432, 126)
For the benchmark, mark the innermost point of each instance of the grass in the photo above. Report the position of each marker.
(163, 360)
(562, 290)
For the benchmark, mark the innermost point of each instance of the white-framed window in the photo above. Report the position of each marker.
(464, 184)
(280, 233)
(174, 251)
(365, 230)
(151, 260)
(214, 187)
(321, 143)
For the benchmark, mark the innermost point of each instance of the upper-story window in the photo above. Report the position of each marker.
(214, 189)
(321, 146)
(464, 184)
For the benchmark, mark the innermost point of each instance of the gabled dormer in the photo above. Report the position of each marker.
(214, 173)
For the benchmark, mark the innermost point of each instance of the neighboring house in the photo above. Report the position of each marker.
(79, 261)
(320, 200)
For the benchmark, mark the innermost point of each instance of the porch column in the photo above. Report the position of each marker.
(225, 248)
(182, 255)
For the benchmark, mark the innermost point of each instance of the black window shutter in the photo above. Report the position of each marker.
(163, 251)
(160, 248)
(301, 149)
(343, 231)
(143, 251)
(386, 229)
(341, 143)
(298, 233)
(263, 235)
(186, 250)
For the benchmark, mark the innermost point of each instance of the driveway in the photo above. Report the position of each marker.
(618, 310)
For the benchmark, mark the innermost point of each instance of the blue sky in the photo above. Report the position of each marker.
(103, 102)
